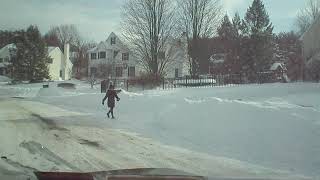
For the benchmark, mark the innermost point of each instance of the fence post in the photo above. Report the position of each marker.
(212, 83)
(127, 84)
(186, 81)
(163, 83)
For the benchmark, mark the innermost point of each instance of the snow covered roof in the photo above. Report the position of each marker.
(51, 48)
(7, 47)
(275, 66)
(105, 45)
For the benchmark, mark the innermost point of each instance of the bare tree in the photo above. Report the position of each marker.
(67, 33)
(307, 15)
(199, 19)
(148, 25)
(81, 58)
(92, 81)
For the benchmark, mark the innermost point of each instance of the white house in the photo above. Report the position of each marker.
(178, 52)
(5, 58)
(112, 58)
(60, 68)
(311, 48)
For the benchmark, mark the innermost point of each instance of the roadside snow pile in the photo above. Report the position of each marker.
(130, 94)
(4, 79)
(273, 103)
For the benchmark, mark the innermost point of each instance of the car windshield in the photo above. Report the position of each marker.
(214, 88)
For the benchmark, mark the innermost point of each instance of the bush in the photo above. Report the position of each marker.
(147, 79)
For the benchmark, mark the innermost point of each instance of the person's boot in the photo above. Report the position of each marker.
(108, 114)
(112, 117)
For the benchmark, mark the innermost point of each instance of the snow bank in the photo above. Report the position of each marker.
(131, 94)
(4, 79)
(273, 103)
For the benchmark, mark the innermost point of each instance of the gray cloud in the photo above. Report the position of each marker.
(97, 18)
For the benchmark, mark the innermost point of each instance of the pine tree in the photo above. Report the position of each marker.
(229, 36)
(226, 31)
(31, 59)
(236, 23)
(258, 30)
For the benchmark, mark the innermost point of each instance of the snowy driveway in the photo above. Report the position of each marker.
(276, 125)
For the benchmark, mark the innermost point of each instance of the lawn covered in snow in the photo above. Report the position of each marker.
(274, 125)
(271, 125)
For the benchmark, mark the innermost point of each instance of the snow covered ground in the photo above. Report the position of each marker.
(220, 131)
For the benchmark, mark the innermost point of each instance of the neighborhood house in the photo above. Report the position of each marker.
(311, 49)
(5, 58)
(111, 58)
(178, 51)
(60, 66)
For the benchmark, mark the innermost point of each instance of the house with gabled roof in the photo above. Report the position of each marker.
(112, 58)
(60, 66)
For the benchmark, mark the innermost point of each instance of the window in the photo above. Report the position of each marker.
(6, 59)
(125, 56)
(50, 60)
(1, 60)
(132, 71)
(119, 71)
(176, 73)
(113, 40)
(102, 55)
(61, 73)
(93, 55)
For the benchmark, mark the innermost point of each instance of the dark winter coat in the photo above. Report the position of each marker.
(111, 95)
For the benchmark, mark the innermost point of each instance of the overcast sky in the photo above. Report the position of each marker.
(97, 18)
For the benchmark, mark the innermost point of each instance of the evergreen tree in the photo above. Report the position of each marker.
(236, 23)
(258, 32)
(230, 40)
(31, 60)
(226, 31)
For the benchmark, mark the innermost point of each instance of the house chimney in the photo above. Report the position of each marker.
(66, 61)
(66, 52)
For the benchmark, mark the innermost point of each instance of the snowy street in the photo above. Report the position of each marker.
(267, 130)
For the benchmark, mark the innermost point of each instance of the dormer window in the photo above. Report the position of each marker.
(113, 40)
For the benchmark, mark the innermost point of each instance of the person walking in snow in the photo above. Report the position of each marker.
(111, 95)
